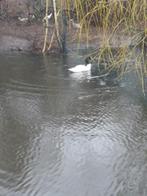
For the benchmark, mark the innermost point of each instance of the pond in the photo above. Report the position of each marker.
(62, 134)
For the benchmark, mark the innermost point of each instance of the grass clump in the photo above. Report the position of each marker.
(113, 18)
(116, 18)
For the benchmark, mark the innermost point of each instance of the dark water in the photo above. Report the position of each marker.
(64, 135)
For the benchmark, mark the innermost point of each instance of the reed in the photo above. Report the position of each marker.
(46, 28)
(113, 18)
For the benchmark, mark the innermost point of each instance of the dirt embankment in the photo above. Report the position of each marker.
(17, 35)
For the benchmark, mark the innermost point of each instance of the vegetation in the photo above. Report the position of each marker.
(112, 18)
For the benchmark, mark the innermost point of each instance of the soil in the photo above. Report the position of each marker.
(21, 36)
(16, 35)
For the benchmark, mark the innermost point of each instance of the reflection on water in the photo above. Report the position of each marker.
(61, 134)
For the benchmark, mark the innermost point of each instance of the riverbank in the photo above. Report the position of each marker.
(15, 36)
(29, 37)
(22, 29)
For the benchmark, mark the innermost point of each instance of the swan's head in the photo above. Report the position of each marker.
(88, 60)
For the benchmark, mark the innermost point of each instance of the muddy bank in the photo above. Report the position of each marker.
(18, 36)
(12, 43)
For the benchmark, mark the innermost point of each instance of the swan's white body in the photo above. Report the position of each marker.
(80, 68)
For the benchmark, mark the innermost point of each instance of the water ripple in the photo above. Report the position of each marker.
(61, 134)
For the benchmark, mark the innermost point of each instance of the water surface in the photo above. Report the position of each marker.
(62, 134)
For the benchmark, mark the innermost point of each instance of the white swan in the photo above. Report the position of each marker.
(81, 68)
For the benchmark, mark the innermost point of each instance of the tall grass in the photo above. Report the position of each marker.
(116, 18)
(113, 18)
